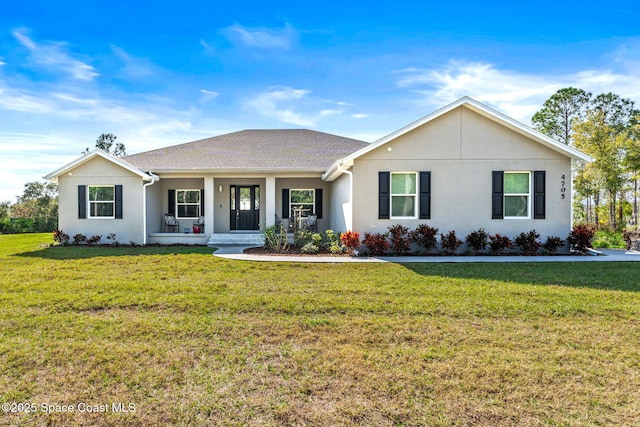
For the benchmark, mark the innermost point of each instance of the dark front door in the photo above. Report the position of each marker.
(245, 207)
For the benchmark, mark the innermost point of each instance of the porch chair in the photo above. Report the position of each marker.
(199, 223)
(310, 223)
(169, 221)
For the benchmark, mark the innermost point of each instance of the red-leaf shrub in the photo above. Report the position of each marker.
(528, 242)
(552, 244)
(376, 243)
(79, 239)
(94, 239)
(350, 240)
(477, 240)
(425, 237)
(449, 242)
(581, 237)
(60, 237)
(499, 243)
(399, 236)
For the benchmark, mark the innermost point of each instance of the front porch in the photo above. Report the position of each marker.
(178, 239)
(213, 240)
(234, 209)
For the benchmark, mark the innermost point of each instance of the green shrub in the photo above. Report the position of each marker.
(309, 248)
(609, 239)
(276, 239)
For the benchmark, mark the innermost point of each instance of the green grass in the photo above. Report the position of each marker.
(191, 339)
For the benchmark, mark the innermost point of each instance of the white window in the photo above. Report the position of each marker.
(188, 203)
(303, 201)
(403, 194)
(517, 194)
(101, 201)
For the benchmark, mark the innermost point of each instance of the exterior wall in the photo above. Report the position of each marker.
(155, 207)
(340, 204)
(461, 149)
(99, 171)
(301, 184)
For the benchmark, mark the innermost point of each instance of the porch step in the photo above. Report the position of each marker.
(249, 239)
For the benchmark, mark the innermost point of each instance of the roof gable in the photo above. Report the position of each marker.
(98, 153)
(338, 167)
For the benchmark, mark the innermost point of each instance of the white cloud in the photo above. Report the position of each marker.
(518, 94)
(360, 116)
(135, 68)
(208, 95)
(262, 38)
(54, 56)
(279, 103)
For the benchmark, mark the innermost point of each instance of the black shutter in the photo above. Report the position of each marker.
(539, 194)
(118, 200)
(319, 202)
(82, 201)
(285, 203)
(425, 195)
(384, 195)
(202, 202)
(497, 195)
(171, 208)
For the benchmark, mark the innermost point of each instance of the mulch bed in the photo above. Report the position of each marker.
(292, 251)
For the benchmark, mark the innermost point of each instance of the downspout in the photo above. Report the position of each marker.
(349, 222)
(154, 178)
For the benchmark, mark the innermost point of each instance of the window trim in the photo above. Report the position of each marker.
(529, 195)
(292, 204)
(198, 204)
(414, 195)
(91, 202)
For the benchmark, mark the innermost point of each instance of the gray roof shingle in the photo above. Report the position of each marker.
(283, 149)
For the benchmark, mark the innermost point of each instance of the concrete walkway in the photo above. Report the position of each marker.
(605, 255)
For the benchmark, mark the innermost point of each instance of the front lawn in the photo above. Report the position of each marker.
(190, 339)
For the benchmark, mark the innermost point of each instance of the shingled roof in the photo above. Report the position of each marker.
(282, 149)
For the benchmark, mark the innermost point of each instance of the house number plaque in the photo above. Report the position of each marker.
(563, 189)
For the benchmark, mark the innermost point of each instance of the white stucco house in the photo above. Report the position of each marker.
(462, 167)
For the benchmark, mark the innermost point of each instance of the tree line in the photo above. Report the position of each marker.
(36, 210)
(606, 127)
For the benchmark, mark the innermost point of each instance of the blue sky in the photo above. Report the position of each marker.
(158, 73)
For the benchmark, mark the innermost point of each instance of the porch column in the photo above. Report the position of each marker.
(270, 208)
(210, 205)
